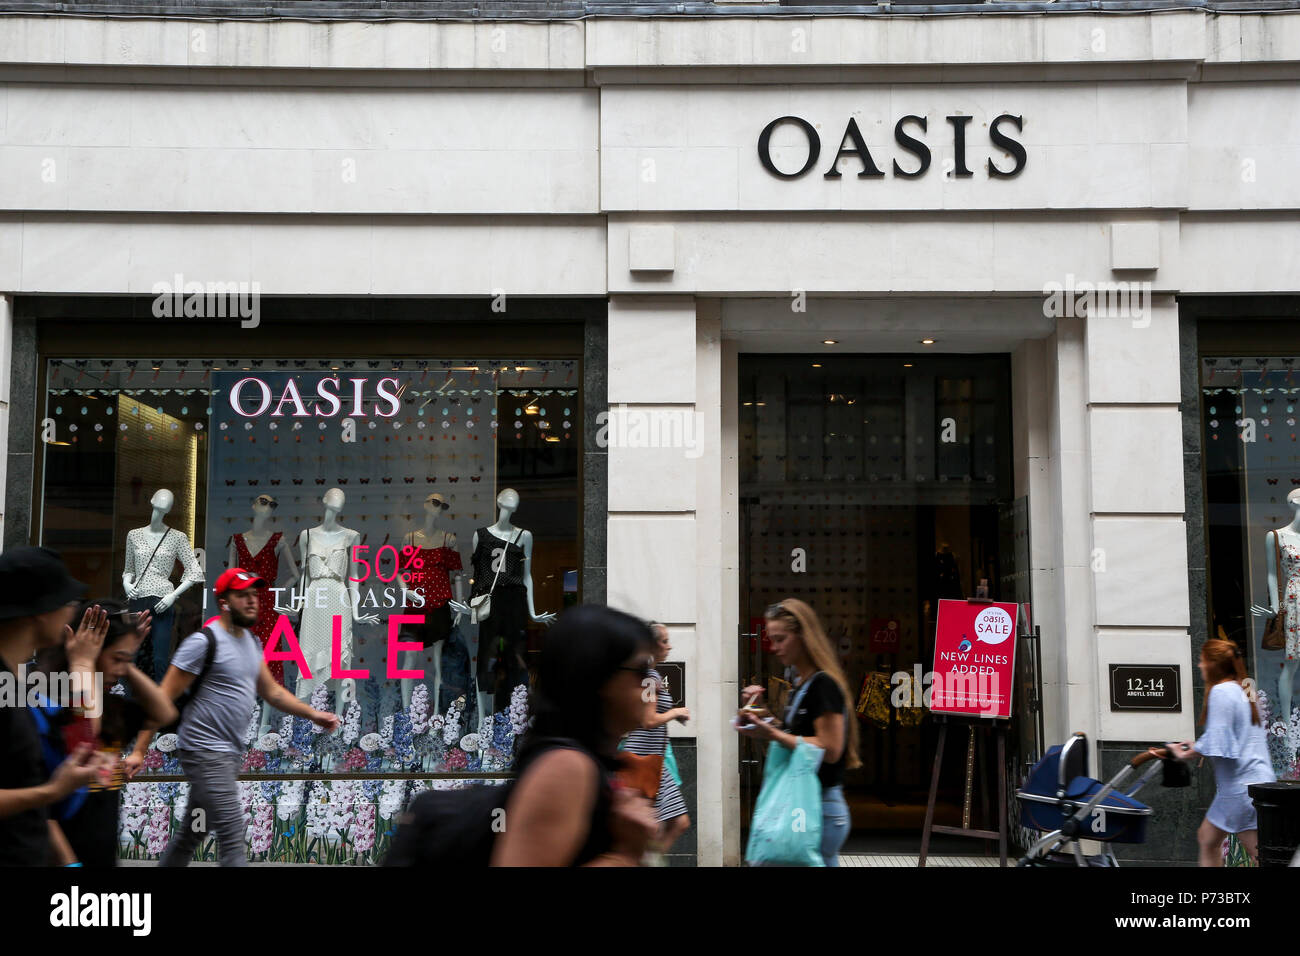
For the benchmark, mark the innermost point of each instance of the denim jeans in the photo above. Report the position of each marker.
(835, 824)
(215, 792)
(155, 653)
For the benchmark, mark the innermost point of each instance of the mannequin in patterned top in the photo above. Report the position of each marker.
(426, 591)
(151, 553)
(502, 637)
(1287, 541)
(266, 554)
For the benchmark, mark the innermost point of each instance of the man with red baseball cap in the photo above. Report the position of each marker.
(224, 667)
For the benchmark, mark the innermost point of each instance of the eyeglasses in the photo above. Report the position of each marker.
(642, 670)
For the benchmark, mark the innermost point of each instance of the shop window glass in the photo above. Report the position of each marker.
(249, 448)
(1249, 410)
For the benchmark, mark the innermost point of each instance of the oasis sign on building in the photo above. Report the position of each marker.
(853, 144)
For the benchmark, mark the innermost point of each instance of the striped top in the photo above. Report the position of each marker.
(645, 742)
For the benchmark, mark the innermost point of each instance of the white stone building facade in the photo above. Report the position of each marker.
(616, 159)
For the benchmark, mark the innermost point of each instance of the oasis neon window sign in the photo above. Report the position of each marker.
(252, 397)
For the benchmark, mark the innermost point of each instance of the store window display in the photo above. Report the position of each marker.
(1250, 406)
(359, 489)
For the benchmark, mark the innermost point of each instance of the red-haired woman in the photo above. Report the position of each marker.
(1235, 743)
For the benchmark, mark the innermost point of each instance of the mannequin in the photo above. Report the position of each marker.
(151, 553)
(1288, 539)
(329, 588)
(426, 590)
(264, 553)
(501, 637)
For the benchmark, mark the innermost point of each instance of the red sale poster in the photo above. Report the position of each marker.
(974, 659)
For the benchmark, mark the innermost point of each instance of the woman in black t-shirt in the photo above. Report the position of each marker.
(818, 711)
(90, 833)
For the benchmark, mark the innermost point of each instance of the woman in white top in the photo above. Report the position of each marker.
(1234, 741)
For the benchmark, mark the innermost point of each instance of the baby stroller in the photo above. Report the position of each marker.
(1059, 797)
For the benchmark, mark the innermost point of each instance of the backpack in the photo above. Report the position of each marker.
(445, 828)
(188, 695)
(47, 716)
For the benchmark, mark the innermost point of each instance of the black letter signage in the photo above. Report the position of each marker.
(765, 138)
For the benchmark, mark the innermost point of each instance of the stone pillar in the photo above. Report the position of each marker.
(1139, 536)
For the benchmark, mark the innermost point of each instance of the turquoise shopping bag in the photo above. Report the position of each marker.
(786, 829)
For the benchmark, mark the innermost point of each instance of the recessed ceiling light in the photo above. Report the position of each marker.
(927, 341)
(830, 342)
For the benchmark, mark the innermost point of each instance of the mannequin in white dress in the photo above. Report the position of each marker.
(151, 553)
(329, 591)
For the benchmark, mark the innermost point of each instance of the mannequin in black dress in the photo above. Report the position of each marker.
(502, 564)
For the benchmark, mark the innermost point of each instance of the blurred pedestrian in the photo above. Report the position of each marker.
(104, 654)
(224, 661)
(1235, 743)
(818, 712)
(651, 739)
(567, 808)
(37, 601)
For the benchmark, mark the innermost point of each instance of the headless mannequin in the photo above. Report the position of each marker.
(162, 502)
(507, 503)
(427, 536)
(330, 535)
(147, 578)
(255, 539)
(1284, 536)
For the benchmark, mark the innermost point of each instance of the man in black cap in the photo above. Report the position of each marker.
(37, 601)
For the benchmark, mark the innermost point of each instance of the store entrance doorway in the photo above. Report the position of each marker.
(871, 487)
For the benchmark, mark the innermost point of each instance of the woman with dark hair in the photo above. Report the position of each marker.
(1234, 741)
(90, 833)
(651, 739)
(567, 809)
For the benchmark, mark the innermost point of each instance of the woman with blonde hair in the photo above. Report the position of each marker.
(818, 712)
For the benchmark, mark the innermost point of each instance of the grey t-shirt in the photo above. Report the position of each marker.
(218, 716)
